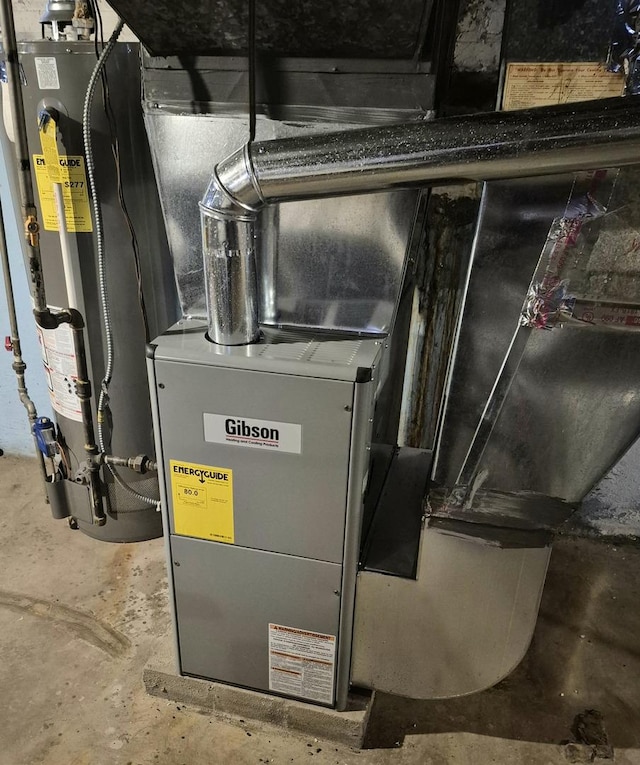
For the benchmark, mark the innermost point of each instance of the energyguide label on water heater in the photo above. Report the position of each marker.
(301, 663)
(74, 193)
(252, 433)
(202, 501)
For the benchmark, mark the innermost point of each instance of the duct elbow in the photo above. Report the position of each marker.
(233, 191)
(229, 212)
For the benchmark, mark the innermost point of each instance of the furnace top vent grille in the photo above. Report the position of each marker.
(341, 352)
(292, 351)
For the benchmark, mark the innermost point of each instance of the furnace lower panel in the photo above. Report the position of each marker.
(226, 597)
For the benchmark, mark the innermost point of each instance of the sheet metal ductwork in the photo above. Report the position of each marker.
(476, 148)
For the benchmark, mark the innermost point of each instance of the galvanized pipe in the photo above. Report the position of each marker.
(228, 245)
(496, 145)
(478, 147)
(83, 392)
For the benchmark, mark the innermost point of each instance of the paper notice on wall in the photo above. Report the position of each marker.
(302, 663)
(546, 84)
(61, 370)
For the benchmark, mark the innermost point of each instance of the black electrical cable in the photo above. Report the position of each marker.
(93, 8)
(115, 150)
(252, 70)
(103, 404)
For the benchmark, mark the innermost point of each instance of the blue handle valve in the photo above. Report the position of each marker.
(44, 432)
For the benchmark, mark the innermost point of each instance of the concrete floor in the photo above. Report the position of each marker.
(79, 619)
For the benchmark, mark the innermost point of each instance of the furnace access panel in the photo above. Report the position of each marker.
(256, 444)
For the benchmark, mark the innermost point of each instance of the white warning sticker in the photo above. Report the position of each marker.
(47, 72)
(61, 370)
(302, 663)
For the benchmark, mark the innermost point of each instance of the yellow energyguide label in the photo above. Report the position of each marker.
(74, 192)
(202, 501)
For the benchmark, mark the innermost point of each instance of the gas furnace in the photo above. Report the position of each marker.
(266, 453)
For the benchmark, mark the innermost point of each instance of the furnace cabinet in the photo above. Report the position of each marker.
(265, 451)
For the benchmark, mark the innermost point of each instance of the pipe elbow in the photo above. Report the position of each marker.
(229, 212)
(233, 191)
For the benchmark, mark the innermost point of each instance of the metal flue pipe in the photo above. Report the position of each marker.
(491, 146)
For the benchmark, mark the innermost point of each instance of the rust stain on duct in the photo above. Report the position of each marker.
(81, 624)
(450, 227)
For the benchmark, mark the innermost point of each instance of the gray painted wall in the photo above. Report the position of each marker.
(479, 35)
